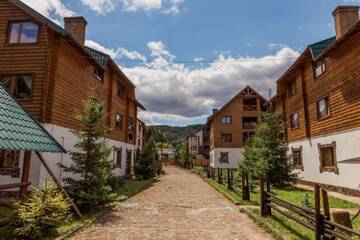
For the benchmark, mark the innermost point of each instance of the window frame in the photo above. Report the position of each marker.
(221, 137)
(17, 75)
(290, 87)
(120, 86)
(222, 160)
(121, 124)
(18, 40)
(292, 126)
(119, 158)
(327, 106)
(323, 68)
(332, 168)
(226, 117)
(294, 151)
(96, 74)
(14, 170)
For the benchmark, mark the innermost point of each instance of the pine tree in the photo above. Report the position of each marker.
(146, 160)
(90, 163)
(266, 154)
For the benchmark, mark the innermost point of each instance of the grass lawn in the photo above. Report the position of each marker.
(5, 212)
(292, 229)
(131, 187)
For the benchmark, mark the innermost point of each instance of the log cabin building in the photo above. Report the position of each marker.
(229, 128)
(50, 71)
(319, 99)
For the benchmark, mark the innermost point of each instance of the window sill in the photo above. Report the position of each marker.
(329, 169)
(324, 118)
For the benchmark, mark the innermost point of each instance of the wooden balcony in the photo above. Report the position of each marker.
(250, 108)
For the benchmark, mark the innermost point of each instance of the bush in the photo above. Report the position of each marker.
(41, 213)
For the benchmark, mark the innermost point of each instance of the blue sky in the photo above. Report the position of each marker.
(253, 41)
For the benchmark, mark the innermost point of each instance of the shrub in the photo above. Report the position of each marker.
(41, 213)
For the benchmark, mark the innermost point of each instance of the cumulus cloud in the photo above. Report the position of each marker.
(165, 6)
(116, 53)
(53, 9)
(100, 6)
(176, 91)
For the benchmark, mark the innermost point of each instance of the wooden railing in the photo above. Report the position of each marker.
(250, 108)
(314, 219)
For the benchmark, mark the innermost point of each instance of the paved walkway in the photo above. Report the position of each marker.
(180, 206)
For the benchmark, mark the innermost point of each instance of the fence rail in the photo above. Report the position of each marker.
(316, 219)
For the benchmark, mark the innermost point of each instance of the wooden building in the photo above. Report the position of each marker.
(229, 128)
(319, 99)
(50, 71)
(199, 148)
(140, 134)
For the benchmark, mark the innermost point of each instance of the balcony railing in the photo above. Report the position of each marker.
(249, 125)
(250, 108)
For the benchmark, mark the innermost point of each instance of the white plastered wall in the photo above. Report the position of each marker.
(347, 147)
(235, 156)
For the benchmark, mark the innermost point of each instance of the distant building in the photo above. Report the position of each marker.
(167, 153)
(229, 128)
(140, 131)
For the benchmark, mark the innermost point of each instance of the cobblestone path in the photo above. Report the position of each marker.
(179, 206)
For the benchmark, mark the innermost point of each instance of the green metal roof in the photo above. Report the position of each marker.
(20, 131)
(318, 47)
(101, 57)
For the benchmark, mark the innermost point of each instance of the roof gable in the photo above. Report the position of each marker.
(20, 131)
(318, 48)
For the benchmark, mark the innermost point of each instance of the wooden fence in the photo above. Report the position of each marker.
(316, 219)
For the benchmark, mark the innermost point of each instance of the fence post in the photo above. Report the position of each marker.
(263, 197)
(268, 190)
(245, 186)
(317, 213)
(219, 176)
(229, 182)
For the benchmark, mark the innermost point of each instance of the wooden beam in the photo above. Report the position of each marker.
(25, 175)
(57, 182)
(14, 185)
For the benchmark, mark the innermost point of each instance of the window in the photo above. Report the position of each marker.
(319, 68)
(292, 87)
(18, 85)
(226, 137)
(119, 157)
(121, 91)
(140, 127)
(294, 120)
(9, 163)
(23, 32)
(139, 142)
(99, 74)
(193, 149)
(226, 120)
(224, 157)
(297, 158)
(327, 155)
(119, 121)
(323, 108)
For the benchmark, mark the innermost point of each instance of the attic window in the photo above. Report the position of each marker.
(23, 32)
(319, 68)
(99, 74)
(292, 87)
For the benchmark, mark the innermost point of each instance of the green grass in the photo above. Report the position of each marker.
(5, 212)
(131, 187)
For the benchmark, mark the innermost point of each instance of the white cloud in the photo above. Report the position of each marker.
(116, 53)
(174, 91)
(100, 6)
(53, 9)
(165, 6)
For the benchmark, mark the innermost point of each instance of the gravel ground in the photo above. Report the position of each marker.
(179, 206)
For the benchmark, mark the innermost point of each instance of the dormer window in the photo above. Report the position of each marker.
(99, 74)
(226, 120)
(292, 88)
(319, 68)
(23, 32)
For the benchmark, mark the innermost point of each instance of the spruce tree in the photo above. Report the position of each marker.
(146, 160)
(266, 154)
(90, 167)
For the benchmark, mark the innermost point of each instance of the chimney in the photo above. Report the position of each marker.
(214, 110)
(76, 26)
(345, 17)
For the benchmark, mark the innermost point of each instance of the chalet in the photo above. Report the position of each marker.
(318, 97)
(50, 71)
(229, 128)
(199, 148)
